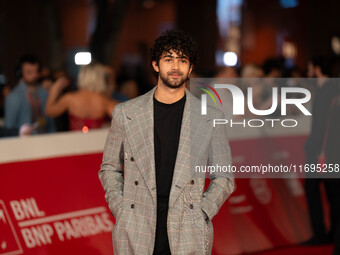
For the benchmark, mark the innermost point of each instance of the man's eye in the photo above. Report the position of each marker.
(184, 61)
(168, 60)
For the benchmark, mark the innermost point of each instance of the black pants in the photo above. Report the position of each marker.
(336, 250)
(162, 246)
(313, 194)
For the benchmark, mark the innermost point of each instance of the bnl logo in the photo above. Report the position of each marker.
(9, 242)
(239, 98)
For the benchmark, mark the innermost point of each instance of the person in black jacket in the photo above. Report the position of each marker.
(327, 90)
(333, 157)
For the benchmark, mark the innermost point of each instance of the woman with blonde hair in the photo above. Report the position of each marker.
(89, 106)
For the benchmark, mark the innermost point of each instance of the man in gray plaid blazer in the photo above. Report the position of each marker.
(132, 190)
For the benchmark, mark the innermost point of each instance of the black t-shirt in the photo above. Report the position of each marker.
(167, 128)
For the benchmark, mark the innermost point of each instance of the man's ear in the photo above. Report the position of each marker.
(190, 69)
(155, 66)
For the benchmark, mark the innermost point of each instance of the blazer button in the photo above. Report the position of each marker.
(132, 206)
(136, 182)
(191, 206)
(192, 182)
(132, 159)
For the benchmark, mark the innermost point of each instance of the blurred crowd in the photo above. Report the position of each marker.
(44, 101)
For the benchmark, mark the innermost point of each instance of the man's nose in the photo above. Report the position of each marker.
(175, 64)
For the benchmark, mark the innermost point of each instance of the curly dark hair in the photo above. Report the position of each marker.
(177, 41)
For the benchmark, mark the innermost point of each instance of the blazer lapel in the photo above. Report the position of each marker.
(190, 124)
(140, 134)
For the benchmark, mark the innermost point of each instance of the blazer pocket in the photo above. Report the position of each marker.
(206, 231)
(205, 217)
(118, 209)
(119, 215)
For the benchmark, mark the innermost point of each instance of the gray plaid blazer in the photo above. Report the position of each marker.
(132, 199)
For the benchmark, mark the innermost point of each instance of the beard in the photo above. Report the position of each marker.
(171, 82)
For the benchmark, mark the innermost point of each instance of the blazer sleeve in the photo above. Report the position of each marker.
(222, 183)
(111, 169)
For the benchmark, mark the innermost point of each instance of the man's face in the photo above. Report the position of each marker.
(173, 69)
(30, 73)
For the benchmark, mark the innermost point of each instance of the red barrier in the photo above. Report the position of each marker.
(56, 205)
